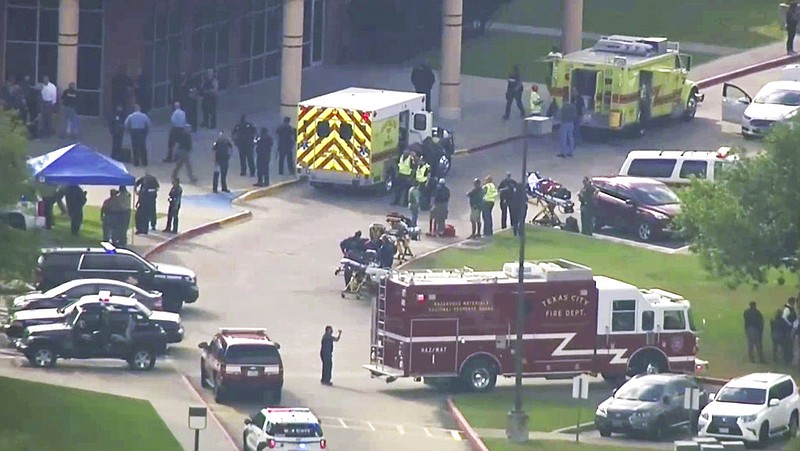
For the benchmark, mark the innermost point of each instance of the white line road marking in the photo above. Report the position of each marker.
(427, 432)
(394, 428)
(371, 426)
(456, 435)
(400, 429)
(344, 425)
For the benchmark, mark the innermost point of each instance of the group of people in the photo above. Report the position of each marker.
(74, 197)
(37, 104)
(115, 216)
(784, 332)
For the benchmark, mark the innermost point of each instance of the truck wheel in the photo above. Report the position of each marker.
(793, 424)
(219, 392)
(644, 232)
(690, 110)
(479, 375)
(43, 357)
(142, 360)
(640, 363)
(763, 435)
(604, 432)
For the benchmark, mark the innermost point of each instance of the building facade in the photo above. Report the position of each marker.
(159, 39)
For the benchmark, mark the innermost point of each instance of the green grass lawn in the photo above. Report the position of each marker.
(551, 407)
(722, 340)
(499, 444)
(50, 417)
(731, 23)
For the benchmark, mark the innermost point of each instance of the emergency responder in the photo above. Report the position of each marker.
(175, 195)
(386, 252)
(414, 196)
(326, 354)
(222, 156)
(506, 188)
(121, 210)
(49, 194)
(147, 187)
(475, 197)
(514, 93)
(586, 197)
(422, 172)
(754, 331)
(286, 141)
(263, 156)
(403, 179)
(76, 199)
(520, 206)
(489, 198)
(535, 101)
(440, 210)
(352, 246)
(244, 135)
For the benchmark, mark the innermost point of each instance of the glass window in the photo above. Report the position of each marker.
(742, 395)
(258, 69)
(92, 262)
(244, 72)
(652, 167)
(48, 61)
(223, 44)
(91, 28)
(21, 59)
(92, 4)
(128, 263)
(318, 30)
(252, 354)
(258, 420)
(259, 33)
(655, 194)
(674, 320)
(82, 290)
(274, 26)
(784, 389)
(693, 168)
(623, 316)
(272, 65)
(323, 129)
(420, 121)
(246, 37)
(294, 430)
(19, 23)
(648, 320)
(89, 103)
(346, 131)
(89, 67)
(48, 25)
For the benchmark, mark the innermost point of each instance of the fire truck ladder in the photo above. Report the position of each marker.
(380, 323)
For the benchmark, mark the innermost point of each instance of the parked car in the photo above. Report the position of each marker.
(283, 428)
(58, 265)
(775, 102)
(650, 404)
(170, 322)
(677, 167)
(641, 206)
(71, 291)
(242, 359)
(24, 215)
(86, 334)
(753, 408)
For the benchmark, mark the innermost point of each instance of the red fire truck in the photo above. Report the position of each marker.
(459, 325)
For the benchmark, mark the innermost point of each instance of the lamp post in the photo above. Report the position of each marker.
(517, 426)
(198, 420)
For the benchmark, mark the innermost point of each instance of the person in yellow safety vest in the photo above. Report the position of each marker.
(423, 172)
(489, 198)
(535, 102)
(403, 180)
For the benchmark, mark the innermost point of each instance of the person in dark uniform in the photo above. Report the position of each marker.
(76, 199)
(263, 157)
(386, 252)
(326, 354)
(352, 246)
(789, 316)
(506, 189)
(514, 92)
(520, 206)
(209, 90)
(423, 78)
(754, 330)
(792, 16)
(286, 141)
(147, 187)
(778, 330)
(222, 157)
(244, 135)
(175, 195)
(586, 197)
(116, 126)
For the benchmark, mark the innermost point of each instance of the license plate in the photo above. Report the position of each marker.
(252, 372)
(724, 430)
(271, 370)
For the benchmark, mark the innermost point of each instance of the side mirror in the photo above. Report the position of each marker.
(202, 345)
(774, 402)
(711, 396)
(247, 421)
(666, 399)
(277, 345)
(743, 100)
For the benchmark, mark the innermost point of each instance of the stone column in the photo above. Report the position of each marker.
(68, 15)
(450, 76)
(291, 58)
(572, 26)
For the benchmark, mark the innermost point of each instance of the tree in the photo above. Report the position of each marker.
(746, 223)
(19, 248)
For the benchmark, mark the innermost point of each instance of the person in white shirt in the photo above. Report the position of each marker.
(49, 99)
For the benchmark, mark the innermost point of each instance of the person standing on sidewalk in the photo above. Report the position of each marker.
(506, 189)
(177, 126)
(423, 78)
(175, 195)
(754, 330)
(778, 331)
(440, 210)
(138, 125)
(475, 197)
(789, 316)
(567, 117)
(210, 90)
(520, 206)
(514, 90)
(489, 198)
(49, 100)
(107, 217)
(414, 194)
(76, 199)
(326, 354)
(792, 17)
(286, 142)
(147, 187)
(586, 198)
(69, 103)
(116, 126)
(222, 157)
(263, 157)
(535, 101)
(122, 213)
(244, 136)
(184, 154)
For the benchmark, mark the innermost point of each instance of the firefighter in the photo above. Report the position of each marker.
(489, 198)
(586, 197)
(403, 180)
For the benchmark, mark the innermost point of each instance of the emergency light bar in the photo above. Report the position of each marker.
(108, 247)
(105, 296)
(290, 410)
(242, 330)
(723, 152)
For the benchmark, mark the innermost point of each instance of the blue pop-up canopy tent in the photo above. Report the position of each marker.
(79, 164)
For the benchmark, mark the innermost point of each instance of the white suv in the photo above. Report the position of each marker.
(283, 428)
(752, 408)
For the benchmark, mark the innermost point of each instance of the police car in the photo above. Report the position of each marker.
(284, 428)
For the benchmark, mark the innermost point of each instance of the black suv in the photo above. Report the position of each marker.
(62, 264)
(96, 331)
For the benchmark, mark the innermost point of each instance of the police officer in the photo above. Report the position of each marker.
(121, 210)
(175, 195)
(263, 157)
(286, 142)
(489, 198)
(586, 197)
(326, 354)
(147, 187)
(520, 207)
(244, 135)
(506, 189)
(352, 245)
(76, 199)
(403, 180)
(222, 157)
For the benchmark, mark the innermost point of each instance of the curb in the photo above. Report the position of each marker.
(472, 436)
(210, 411)
(261, 192)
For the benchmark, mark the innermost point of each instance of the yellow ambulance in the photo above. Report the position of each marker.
(625, 82)
(353, 136)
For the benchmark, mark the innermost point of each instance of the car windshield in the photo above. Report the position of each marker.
(655, 195)
(779, 97)
(640, 391)
(692, 326)
(67, 307)
(53, 292)
(252, 354)
(742, 395)
(295, 430)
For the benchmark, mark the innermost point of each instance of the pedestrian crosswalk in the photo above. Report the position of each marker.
(392, 428)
